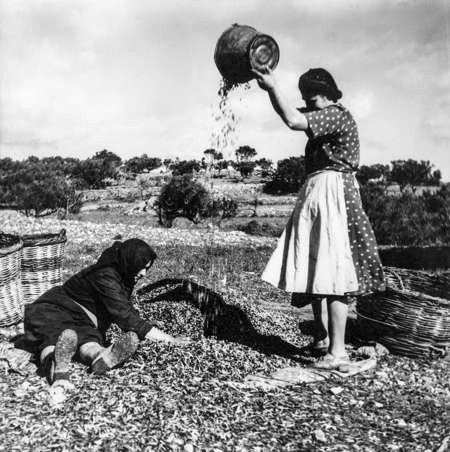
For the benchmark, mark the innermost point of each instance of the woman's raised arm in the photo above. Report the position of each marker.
(287, 112)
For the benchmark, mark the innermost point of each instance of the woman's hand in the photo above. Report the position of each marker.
(266, 79)
(157, 335)
(181, 340)
(289, 114)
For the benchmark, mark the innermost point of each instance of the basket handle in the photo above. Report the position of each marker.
(62, 234)
(378, 321)
(400, 280)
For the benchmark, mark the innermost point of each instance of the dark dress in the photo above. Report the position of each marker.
(102, 290)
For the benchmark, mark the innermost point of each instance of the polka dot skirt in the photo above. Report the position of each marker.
(363, 245)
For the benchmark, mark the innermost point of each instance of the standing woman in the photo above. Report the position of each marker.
(327, 253)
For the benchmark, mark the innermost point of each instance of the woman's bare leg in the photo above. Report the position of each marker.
(45, 352)
(320, 311)
(337, 311)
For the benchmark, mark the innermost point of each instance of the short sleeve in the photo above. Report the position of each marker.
(328, 121)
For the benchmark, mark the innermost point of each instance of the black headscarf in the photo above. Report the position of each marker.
(128, 258)
(319, 81)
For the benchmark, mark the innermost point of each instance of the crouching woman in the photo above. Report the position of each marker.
(73, 318)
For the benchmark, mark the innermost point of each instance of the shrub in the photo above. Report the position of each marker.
(245, 153)
(411, 172)
(39, 187)
(246, 168)
(266, 166)
(142, 163)
(92, 173)
(182, 196)
(40, 192)
(368, 173)
(108, 156)
(288, 177)
(222, 207)
(42, 196)
(264, 229)
(408, 219)
(185, 167)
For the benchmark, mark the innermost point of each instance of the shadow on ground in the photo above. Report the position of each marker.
(221, 320)
(353, 334)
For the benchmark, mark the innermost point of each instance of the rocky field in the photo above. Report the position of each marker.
(197, 398)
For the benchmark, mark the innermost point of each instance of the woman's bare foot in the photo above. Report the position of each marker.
(332, 362)
(320, 346)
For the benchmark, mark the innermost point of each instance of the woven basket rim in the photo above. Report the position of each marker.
(44, 239)
(13, 243)
(413, 272)
(414, 293)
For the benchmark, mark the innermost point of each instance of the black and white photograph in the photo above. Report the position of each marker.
(224, 225)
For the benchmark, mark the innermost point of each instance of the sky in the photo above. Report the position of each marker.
(138, 76)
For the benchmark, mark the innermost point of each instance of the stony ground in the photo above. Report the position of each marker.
(195, 398)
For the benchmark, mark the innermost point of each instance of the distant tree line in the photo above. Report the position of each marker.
(408, 174)
(53, 184)
(43, 186)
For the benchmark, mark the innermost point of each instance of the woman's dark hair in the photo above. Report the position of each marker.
(319, 81)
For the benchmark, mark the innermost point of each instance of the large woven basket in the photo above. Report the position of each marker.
(11, 307)
(412, 317)
(42, 257)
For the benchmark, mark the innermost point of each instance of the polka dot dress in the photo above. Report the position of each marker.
(328, 246)
(333, 140)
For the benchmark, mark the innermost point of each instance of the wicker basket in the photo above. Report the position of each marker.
(42, 257)
(412, 317)
(11, 307)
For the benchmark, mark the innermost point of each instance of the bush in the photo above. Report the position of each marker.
(43, 196)
(108, 156)
(92, 173)
(245, 168)
(411, 172)
(266, 166)
(182, 196)
(181, 167)
(378, 171)
(222, 207)
(264, 229)
(245, 153)
(288, 177)
(142, 163)
(39, 187)
(407, 219)
(36, 191)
